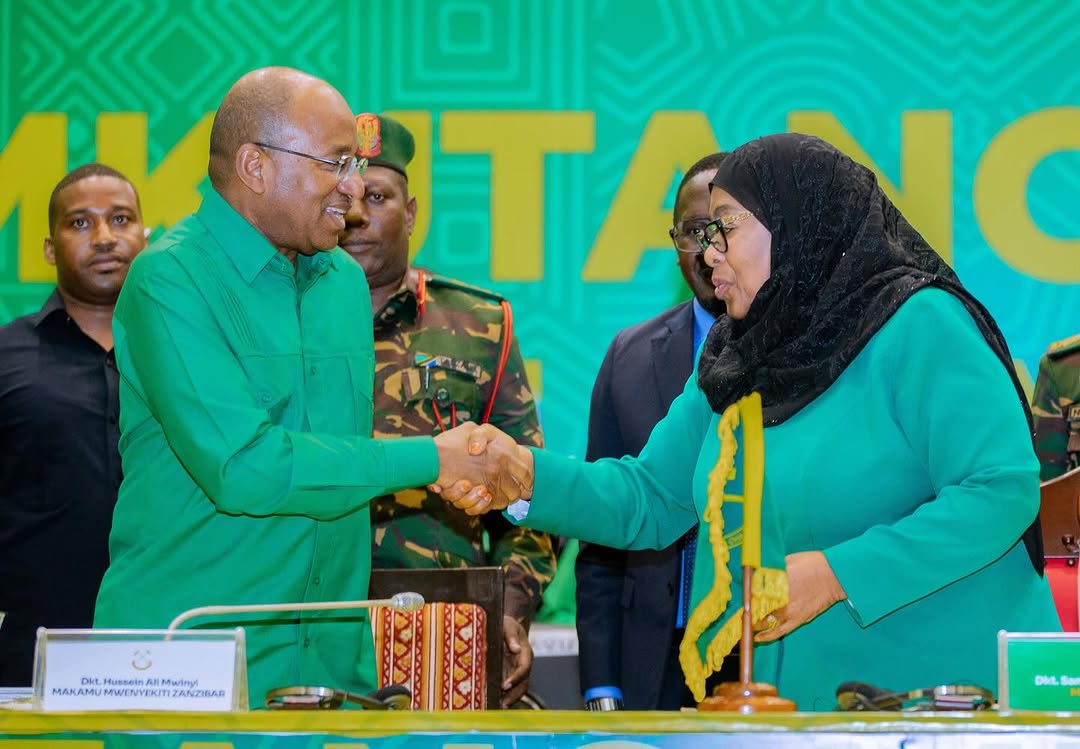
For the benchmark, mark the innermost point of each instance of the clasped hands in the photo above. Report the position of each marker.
(481, 468)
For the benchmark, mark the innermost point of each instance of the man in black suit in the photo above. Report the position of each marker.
(631, 605)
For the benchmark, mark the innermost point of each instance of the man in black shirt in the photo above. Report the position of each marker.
(59, 409)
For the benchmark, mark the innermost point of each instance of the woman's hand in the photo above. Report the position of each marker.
(812, 588)
(481, 468)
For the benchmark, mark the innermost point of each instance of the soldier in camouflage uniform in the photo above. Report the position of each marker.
(444, 354)
(1056, 408)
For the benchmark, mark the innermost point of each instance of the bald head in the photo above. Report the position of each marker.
(281, 151)
(258, 108)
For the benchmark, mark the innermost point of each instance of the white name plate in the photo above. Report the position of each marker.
(103, 669)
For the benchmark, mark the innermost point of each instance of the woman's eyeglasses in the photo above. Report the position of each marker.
(715, 232)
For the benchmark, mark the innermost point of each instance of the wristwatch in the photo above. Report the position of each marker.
(603, 704)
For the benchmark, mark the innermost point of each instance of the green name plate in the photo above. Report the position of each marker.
(1039, 671)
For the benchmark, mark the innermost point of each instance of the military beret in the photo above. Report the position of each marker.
(1061, 348)
(384, 142)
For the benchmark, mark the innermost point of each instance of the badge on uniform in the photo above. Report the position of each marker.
(425, 363)
(368, 135)
(1072, 423)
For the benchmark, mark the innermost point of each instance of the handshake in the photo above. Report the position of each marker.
(481, 468)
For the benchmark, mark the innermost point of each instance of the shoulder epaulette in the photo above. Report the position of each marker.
(451, 283)
(1065, 346)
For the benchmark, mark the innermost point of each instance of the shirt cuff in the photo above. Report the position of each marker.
(518, 509)
(410, 461)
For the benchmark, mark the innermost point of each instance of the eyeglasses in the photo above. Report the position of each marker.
(684, 234)
(857, 696)
(393, 697)
(346, 166)
(715, 232)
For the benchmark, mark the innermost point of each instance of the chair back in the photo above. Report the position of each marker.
(449, 653)
(1059, 517)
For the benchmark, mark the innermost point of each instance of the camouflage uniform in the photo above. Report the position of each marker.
(1056, 408)
(436, 361)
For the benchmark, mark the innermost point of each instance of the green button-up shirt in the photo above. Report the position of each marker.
(245, 416)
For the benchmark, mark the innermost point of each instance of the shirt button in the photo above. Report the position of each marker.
(312, 369)
(317, 580)
(307, 642)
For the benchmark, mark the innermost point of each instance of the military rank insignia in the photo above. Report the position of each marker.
(369, 135)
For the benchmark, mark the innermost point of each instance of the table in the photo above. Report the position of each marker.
(521, 729)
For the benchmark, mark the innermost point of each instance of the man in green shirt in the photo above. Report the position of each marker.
(246, 404)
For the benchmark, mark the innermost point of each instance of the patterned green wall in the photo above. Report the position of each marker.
(968, 110)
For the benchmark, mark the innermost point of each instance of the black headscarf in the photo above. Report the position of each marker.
(843, 261)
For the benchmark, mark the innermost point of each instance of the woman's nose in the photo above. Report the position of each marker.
(712, 255)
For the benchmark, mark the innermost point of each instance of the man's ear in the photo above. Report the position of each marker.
(144, 234)
(410, 214)
(50, 251)
(251, 166)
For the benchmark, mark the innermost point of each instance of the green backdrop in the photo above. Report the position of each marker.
(551, 133)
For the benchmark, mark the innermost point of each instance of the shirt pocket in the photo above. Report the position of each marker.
(444, 387)
(361, 372)
(334, 396)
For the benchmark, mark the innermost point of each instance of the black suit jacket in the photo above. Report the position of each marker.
(626, 601)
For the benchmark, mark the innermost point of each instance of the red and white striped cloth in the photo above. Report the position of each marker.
(438, 652)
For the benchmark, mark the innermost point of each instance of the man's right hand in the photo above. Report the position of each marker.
(481, 468)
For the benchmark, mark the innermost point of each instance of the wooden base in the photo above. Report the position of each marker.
(752, 697)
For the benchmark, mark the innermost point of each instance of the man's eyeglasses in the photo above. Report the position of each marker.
(715, 232)
(684, 235)
(347, 165)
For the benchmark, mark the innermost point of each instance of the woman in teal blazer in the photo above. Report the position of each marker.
(900, 488)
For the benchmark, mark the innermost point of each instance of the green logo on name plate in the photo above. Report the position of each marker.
(1039, 671)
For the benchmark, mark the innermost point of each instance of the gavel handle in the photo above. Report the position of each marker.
(746, 644)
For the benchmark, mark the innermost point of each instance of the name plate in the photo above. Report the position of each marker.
(126, 669)
(1039, 671)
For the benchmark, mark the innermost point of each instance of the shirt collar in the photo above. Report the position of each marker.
(403, 302)
(703, 321)
(246, 247)
(54, 303)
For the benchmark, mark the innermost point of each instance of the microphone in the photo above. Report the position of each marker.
(407, 602)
